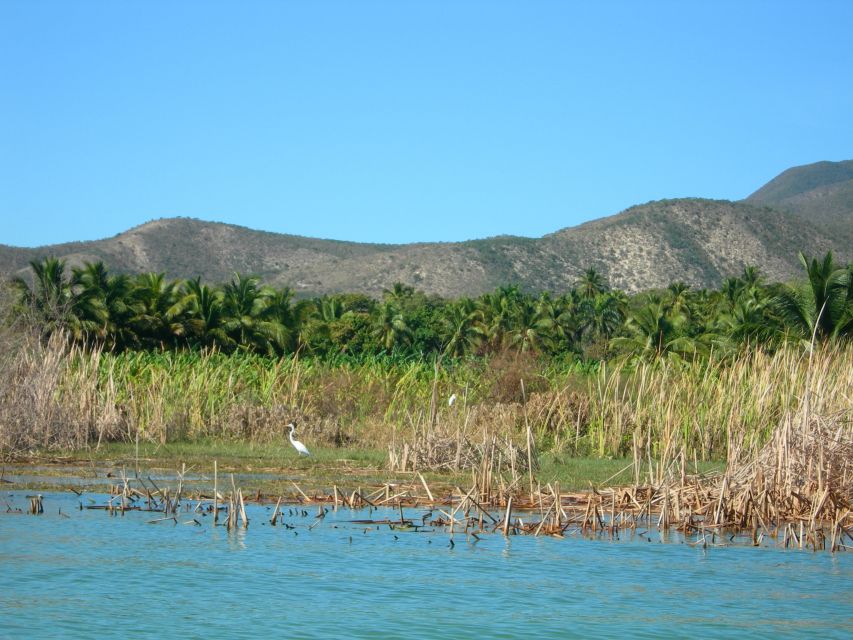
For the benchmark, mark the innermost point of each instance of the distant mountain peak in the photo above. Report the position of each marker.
(797, 180)
(821, 192)
(694, 240)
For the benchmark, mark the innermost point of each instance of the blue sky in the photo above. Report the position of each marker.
(405, 121)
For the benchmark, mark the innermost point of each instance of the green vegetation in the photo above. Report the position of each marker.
(594, 372)
(329, 465)
(122, 313)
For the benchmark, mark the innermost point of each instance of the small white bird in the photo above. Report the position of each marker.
(301, 448)
(451, 400)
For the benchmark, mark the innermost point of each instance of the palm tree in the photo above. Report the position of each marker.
(549, 312)
(88, 286)
(462, 328)
(530, 328)
(731, 289)
(752, 277)
(602, 316)
(748, 320)
(316, 321)
(105, 301)
(303, 315)
(679, 295)
(158, 310)
(246, 304)
(590, 283)
(51, 298)
(498, 311)
(330, 308)
(282, 312)
(569, 321)
(398, 292)
(390, 327)
(655, 331)
(822, 306)
(207, 318)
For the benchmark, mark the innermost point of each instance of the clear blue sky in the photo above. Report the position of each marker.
(405, 121)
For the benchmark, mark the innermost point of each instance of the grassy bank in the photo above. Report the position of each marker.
(60, 397)
(275, 464)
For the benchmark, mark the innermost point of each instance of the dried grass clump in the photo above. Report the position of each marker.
(455, 453)
(797, 488)
(804, 471)
(794, 484)
(264, 424)
(49, 398)
(468, 437)
(505, 371)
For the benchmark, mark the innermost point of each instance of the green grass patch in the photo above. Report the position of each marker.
(576, 474)
(244, 457)
(279, 466)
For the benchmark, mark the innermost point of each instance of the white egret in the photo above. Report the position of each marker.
(301, 448)
(451, 400)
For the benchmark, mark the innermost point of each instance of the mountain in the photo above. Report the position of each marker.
(821, 192)
(693, 240)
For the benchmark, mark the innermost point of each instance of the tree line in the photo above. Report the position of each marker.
(592, 321)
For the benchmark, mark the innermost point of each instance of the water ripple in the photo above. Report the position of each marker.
(90, 574)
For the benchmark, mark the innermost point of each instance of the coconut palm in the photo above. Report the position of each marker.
(159, 317)
(654, 331)
(50, 300)
(822, 305)
(281, 311)
(602, 315)
(390, 327)
(248, 322)
(398, 292)
(462, 330)
(590, 283)
(498, 311)
(531, 326)
(569, 321)
(679, 295)
(330, 308)
(316, 321)
(752, 277)
(207, 317)
(748, 321)
(106, 301)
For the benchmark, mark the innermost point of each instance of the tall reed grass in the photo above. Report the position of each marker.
(709, 407)
(55, 395)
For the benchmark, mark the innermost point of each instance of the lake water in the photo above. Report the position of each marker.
(92, 575)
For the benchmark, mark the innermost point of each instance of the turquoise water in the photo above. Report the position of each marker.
(93, 575)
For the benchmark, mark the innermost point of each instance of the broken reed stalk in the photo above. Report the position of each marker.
(307, 499)
(243, 509)
(426, 486)
(36, 507)
(215, 494)
(507, 516)
(529, 437)
(275, 512)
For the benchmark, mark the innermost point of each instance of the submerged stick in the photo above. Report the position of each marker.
(300, 491)
(242, 509)
(275, 513)
(529, 438)
(426, 486)
(507, 516)
(215, 495)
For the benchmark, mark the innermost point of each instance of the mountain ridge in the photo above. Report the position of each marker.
(821, 192)
(695, 240)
